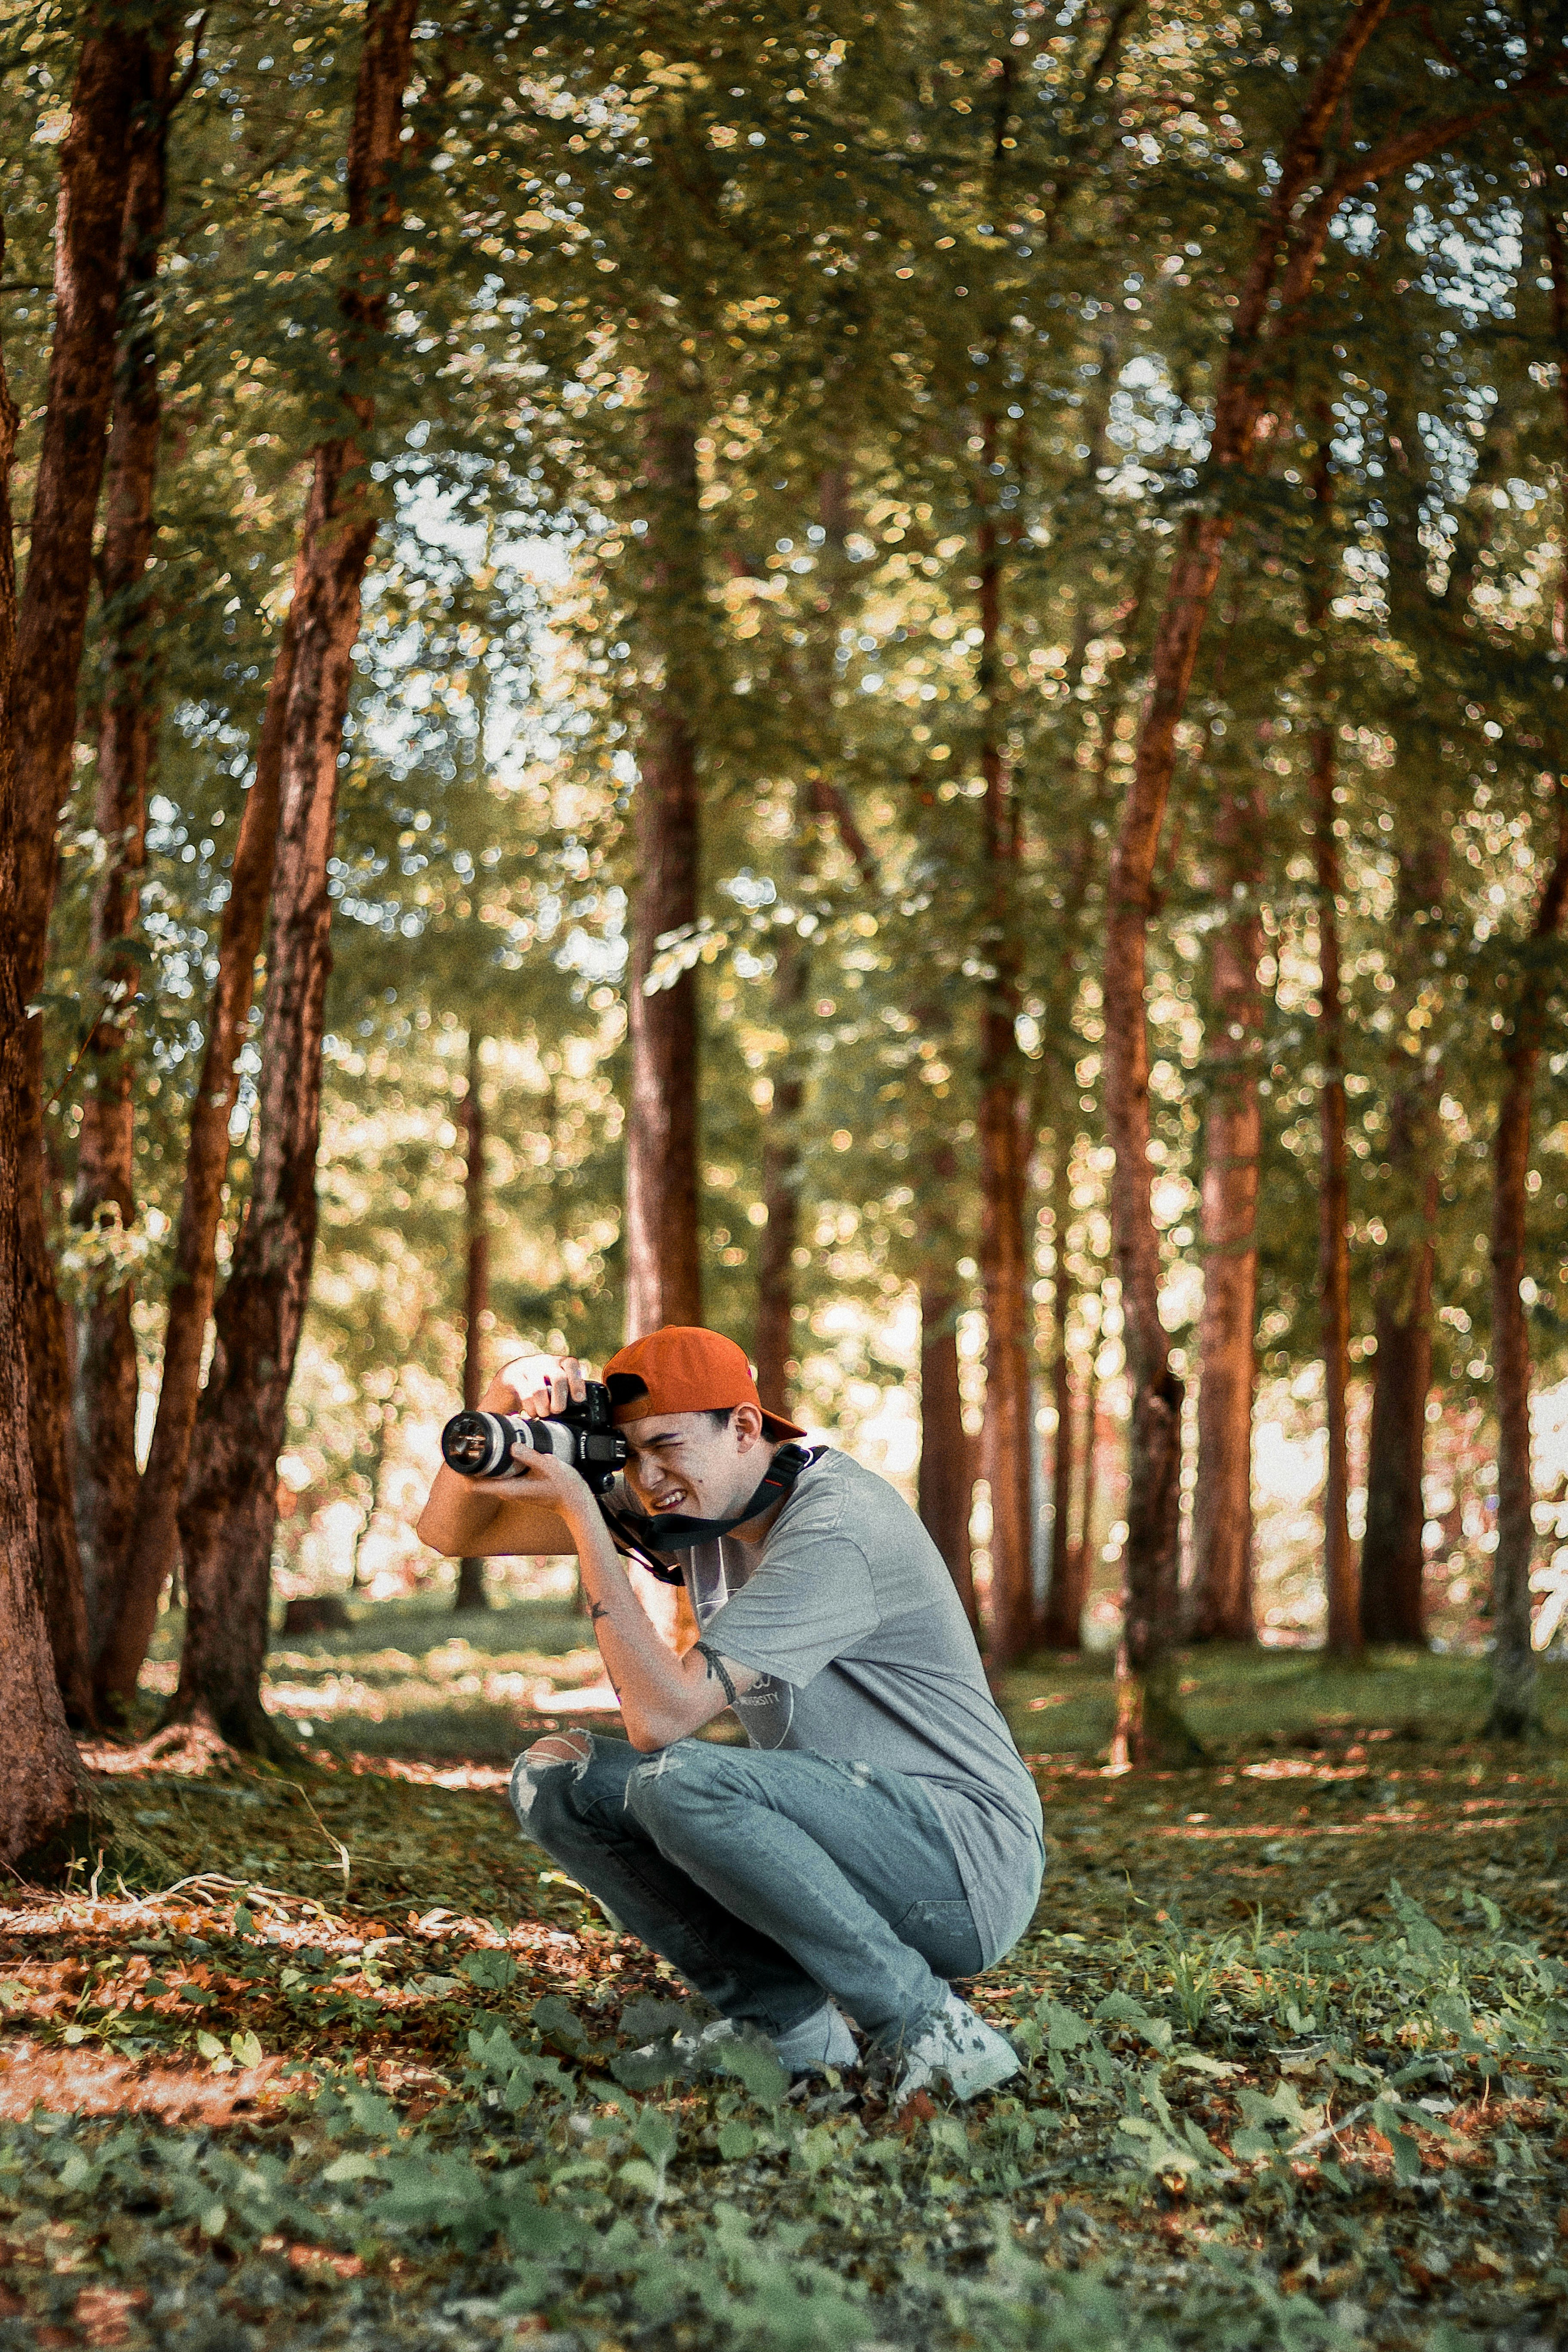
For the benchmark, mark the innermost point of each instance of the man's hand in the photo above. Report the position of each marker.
(500, 1517)
(541, 1478)
(553, 1390)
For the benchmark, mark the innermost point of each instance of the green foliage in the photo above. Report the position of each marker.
(1265, 2104)
(531, 2185)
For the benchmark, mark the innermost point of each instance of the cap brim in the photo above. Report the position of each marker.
(776, 1427)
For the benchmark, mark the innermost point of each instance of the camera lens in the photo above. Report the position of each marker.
(468, 1451)
(479, 1444)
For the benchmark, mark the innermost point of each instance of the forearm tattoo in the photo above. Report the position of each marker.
(717, 1670)
(597, 1609)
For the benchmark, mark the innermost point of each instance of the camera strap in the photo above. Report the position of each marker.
(640, 1537)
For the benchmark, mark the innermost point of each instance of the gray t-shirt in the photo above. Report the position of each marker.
(849, 1612)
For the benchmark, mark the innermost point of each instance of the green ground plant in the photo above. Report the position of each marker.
(328, 2054)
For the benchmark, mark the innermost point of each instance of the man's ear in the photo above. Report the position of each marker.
(747, 1425)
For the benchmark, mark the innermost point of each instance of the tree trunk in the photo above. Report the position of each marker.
(1341, 1581)
(1008, 1434)
(471, 1594)
(128, 1634)
(1221, 1604)
(106, 1369)
(943, 1490)
(819, 803)
(1513, 1708)
(781, 1175)
(664, 1268)
(38, 1782)
(1267, 303)
(1090, 1471)
(1393, 1551)
(1393, 1554)
(111, 82)
(229, 1511)
(1061, 1622)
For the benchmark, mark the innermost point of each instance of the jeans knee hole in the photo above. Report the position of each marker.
(568, 1751)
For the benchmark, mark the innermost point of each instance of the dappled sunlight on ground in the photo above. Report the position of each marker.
(1291, 2019)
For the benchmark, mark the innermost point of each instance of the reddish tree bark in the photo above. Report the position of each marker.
(1340, 1580)
(111, 82)
(106, 1371)
(127, 1632)
(470, 1593)
(1008, 1434)
(1393, 1555)
(38, 1776)
(664, 1264)
(1393, 1559)
(781, 1173)
(229, 1511)
(1061, 1620)
(1269, 302)
(1090, 1471)
(1221, 1601)
(1341, 1576)
(944, 1489)
(1513, 1708)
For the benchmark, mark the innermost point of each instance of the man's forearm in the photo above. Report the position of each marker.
(457, 1514)
(460, 1517)
(656, 1696)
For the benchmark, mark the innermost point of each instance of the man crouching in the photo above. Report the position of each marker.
(881, 1834)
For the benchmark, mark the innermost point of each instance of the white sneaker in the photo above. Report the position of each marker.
(821, 2039)
(957, 2049)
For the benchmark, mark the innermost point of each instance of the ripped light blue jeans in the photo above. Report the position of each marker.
(768, 1877)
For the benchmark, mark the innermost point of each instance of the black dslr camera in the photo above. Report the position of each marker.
(479, 1444)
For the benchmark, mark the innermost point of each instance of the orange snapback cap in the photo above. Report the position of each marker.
(682, 1369)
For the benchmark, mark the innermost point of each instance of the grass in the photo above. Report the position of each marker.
(1237, 1697)
(1294, 2025)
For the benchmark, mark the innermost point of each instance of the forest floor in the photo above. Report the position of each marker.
(331, 2056)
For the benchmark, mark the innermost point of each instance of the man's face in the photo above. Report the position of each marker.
(683, 1462)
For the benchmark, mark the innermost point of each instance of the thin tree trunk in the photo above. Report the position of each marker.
(1222, 1605)
(1090, 1471)
(1513, 1708)
(128, 1634)
(1340, 1580)
(39, 1773)
(1008, 1434)
(230, 1507)
(1393, 1551)
(944, 1491)
(820, 803)
(664, 1268)
(111, 82)
(1267, 304)
(1071, 1564)
(1061, 1622)
(471, 1594)
(106, 1370)
(1393, 1555)
(377, 1478)
(781, 1175)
